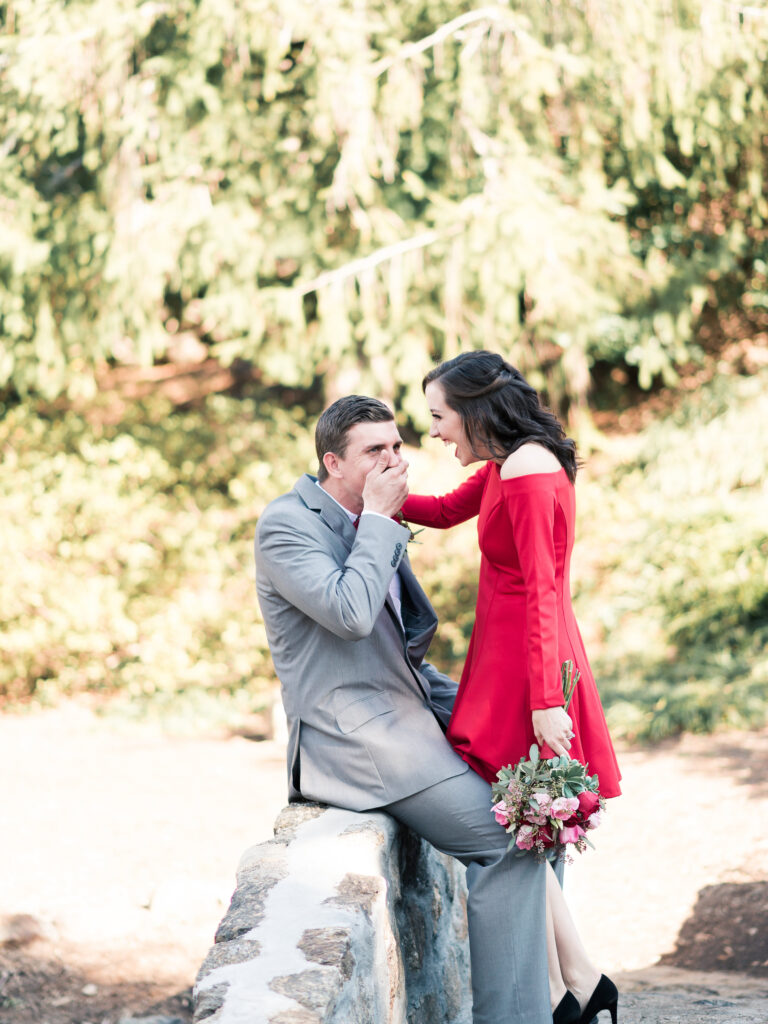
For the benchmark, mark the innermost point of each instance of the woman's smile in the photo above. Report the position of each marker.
(447, 424)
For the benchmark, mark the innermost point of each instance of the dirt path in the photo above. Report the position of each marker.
(118, 847)
(123, 845)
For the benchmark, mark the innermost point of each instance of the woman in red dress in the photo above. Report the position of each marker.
(510, 694)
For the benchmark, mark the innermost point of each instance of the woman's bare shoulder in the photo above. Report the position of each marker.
(528, 459)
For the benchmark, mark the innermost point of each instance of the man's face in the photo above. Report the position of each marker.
(365, 443)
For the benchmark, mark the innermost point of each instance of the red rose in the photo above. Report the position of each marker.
(588, 802)
(545, 835)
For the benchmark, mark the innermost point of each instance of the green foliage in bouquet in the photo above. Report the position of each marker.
(569, 677)
(561, 776)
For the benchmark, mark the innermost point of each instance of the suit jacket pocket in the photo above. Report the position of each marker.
(363, 710)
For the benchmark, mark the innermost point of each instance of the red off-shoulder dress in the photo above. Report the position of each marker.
(524, 623)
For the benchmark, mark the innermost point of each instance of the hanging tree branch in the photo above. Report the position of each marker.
(495, 15)
(409, 50)
(388, 252)
(745, 11)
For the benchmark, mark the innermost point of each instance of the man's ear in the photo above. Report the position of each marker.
(331, 463)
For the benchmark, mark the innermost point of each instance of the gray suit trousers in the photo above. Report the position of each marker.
(506, 905)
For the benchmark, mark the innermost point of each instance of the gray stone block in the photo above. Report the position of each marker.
(316, 990)
(209, 1001)
(329, 946)
(224, 953)
(260, 870)
(357, 891)
(293, 816)
(150, 1020)
(296, 1017)
(343, 918)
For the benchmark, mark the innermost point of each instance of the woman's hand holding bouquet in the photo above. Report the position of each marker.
(548, 804)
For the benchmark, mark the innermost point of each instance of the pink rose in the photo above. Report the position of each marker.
(588, 802)
(563, 807)
(543, 800)
(572, 834)
(525, 837)
(499, 812)
(534, 818)
(594, 819)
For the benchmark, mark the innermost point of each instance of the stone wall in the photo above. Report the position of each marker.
(342, 918)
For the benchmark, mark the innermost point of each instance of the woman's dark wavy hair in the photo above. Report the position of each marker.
(499, 408)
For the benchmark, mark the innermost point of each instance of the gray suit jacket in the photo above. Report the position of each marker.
(365, 712)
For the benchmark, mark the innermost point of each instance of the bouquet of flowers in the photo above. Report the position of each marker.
(548, 805)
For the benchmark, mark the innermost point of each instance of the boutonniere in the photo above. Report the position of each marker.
(400, 518)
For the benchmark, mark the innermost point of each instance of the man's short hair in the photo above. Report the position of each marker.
(332, 430)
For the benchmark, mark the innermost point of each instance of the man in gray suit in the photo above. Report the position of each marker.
(348, 627)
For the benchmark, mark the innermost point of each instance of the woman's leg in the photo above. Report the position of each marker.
(557, 985)
(574, 968)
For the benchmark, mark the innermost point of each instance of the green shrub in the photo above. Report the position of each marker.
(128, 565)
(675, 584)
(128, 549)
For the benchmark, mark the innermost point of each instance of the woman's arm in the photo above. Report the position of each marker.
(449, 509)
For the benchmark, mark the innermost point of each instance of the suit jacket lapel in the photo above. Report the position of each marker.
(332, 514)
(419, 616)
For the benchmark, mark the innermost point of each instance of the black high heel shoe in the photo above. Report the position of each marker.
(605, 997)
(567, 1010)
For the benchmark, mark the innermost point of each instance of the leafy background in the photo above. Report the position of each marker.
(217, 216)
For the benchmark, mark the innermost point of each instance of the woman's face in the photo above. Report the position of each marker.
(447, 424)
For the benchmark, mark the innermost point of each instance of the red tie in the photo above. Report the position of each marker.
(356, 523)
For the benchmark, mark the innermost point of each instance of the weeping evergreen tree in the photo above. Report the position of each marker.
(346, 191)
